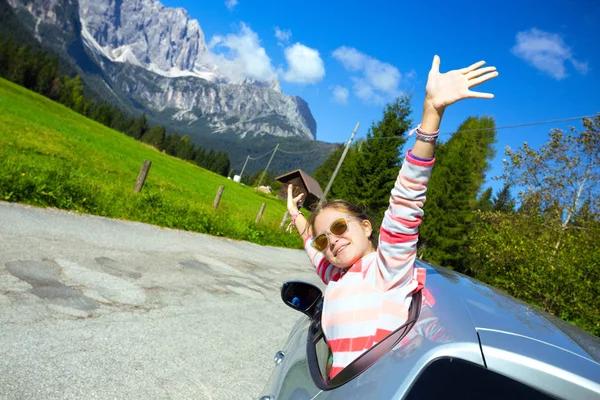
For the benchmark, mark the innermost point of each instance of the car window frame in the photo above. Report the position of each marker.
(365, 360)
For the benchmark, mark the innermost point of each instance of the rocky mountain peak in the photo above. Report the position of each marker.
(163, 40)
(156, 58)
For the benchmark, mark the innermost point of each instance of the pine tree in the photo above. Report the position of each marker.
(324, 171)
(155, 136)
(452, 194)
(172, 143)
(185, 149)
(377, 163)
(222, 164)
(139, 127)
(209, 160)
(485, 201)
(503, 201)
(200, 154)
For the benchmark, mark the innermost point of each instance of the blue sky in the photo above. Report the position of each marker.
(347, 58)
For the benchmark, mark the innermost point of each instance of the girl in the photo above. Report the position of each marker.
(369, 289)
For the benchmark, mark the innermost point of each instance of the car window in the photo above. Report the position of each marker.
(457, 379)
(317, 349)
(322, 357)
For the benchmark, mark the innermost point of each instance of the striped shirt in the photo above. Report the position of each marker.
(371, 299)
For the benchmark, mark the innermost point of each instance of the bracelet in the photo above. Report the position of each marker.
(296, 214)
(422, 133)
(292, 224)
(427, 139)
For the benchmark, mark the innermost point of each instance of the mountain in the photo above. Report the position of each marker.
(144, 57)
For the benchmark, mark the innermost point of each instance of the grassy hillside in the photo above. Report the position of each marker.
(51, 156)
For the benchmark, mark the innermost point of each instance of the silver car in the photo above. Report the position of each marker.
(463, 340)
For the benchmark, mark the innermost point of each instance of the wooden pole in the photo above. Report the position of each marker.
(139, 184)
(218, 198)
(284, 220)
(337, 168)
(244, 167)
(260, 213)
(265, 171)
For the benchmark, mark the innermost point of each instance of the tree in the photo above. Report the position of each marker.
(222, 164)
(561, 174)
(172, 143)
(155, 136)
(209, 160)
(503, 200)
(379, 158)
(139, 127)
(485, 201)
(324, 171)
(455, 183)
(200, 155)
(370, 169)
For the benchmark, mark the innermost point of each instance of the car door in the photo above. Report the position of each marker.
(291, 378)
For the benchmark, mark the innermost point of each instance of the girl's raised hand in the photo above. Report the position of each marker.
(446, 89)
(292, 202)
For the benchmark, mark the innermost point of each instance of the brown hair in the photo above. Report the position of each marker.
(344, 206)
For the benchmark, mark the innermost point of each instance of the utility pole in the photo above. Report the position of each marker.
(244, 167)
(337, 168)
(269, 163)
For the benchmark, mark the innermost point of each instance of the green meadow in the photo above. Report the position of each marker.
(51, 156)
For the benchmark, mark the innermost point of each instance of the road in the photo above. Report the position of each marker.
(95, 308)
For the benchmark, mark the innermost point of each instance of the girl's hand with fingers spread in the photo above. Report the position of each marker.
(446, 89)
(292, 202)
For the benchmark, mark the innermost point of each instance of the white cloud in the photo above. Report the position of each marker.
(382, 76)
(340, 94)
(304, 64)
(351, 59)
(245, 57)
(379, 80)
(230, 4)
(547, 52)
(366, 92)
(283, 36)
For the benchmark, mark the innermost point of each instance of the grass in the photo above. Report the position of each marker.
(51, 156)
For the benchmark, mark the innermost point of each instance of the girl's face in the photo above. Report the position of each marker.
(346, 249)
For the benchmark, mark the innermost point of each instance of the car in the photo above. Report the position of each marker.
(463, 340)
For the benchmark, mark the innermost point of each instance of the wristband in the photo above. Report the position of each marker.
(293, 223)
(422, 134)
(428, 139)
(296, 214)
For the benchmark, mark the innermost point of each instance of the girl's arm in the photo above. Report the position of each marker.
(400, 228)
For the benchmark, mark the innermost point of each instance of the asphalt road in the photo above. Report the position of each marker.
(94, 308)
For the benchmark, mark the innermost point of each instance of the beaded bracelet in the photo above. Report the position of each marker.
(296, 214)
(425, 136)
(427, 139)
(292, 224)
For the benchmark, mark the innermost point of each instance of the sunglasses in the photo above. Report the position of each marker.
(337, 228)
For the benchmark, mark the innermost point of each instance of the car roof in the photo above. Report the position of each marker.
(493, 310)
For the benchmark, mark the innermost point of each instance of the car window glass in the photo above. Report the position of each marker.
(457, 379)
(323, 357)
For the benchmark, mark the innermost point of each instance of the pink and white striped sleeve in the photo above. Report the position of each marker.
(399, 231)
(326, 271)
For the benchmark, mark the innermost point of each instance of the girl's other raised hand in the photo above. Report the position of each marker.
(292, 202)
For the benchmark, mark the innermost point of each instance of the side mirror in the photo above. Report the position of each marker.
(301, 296)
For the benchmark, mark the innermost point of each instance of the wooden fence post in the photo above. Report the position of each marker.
(284, 220)
(139, 184)
(260, 213)
(218, 198)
